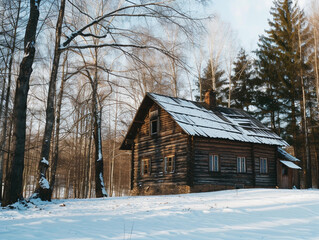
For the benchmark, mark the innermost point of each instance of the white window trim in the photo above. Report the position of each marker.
(212, 163)
(266, 165)
(242, 165)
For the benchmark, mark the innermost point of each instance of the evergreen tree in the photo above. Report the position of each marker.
(282, 60)
(268, 101)
(206, 83)
(278, 61)
(243, 82)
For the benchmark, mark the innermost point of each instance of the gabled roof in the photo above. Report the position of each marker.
(197, 120)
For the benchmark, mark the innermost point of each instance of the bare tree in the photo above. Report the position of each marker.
(198, 63)
(14, 182)
(229, 58)
(10, 42)
(43, 188)
(219, 32)
(122, 40)
(314, 26)
(54, 162)
(119, 25)
(314, 21)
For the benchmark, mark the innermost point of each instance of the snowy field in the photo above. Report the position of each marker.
(236, 214)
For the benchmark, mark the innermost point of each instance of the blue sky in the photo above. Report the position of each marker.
(248, 18)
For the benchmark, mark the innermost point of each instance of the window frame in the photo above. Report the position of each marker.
(263, 168)
(241, 165)
(154, 119)
(212, 163)
(148, 172)
(172, 167)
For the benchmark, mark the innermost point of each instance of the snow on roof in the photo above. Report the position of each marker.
(224, 123)
(290, 164)
(283, 154)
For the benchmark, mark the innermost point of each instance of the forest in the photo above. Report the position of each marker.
(74, 72)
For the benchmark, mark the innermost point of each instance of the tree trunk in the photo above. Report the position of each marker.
(55, 158)
(7, 96)
(88, 162)
(229, 90)
(43, 190)
(13, 183)
(99, 180)
(316, 66)
(304, 114)
(97, 114)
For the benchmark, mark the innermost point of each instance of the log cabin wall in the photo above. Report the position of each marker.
(287, 177)
(269, 152)
(169, 141)
(227, 177)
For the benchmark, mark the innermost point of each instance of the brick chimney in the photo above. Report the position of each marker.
(210, 98)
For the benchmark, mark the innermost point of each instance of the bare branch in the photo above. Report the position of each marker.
(118, 46)
(116, 12)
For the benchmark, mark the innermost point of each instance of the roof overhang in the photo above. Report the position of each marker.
(284, 155)
(290, 164)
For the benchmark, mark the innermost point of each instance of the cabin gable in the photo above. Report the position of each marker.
(163, 152)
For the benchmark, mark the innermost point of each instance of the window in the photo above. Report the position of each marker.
(146, 167)
(154, 122)
(213, 164)
(241, 164)
(169, 164)
(263, 165)
(154, 127)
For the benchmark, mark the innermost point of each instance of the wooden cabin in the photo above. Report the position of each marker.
(182, 146)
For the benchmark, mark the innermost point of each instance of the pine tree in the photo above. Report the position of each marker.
(282, 61)
(268, 102)
(243, 82)
(207, 83)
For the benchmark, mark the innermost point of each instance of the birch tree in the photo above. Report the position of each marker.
(123, 39)
(43, 188)
(120, 23)
(219, 35)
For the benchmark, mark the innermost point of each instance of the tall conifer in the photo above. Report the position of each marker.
(206, 82)
(243, 82)
(282, 56)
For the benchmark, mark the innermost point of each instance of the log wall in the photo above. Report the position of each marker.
(228, 151)
(170, 141)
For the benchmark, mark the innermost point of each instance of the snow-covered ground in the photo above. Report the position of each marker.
(236, 214)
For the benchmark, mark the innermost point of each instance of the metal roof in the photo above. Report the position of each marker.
(284, 155)
(223, 123)
(290, 164)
